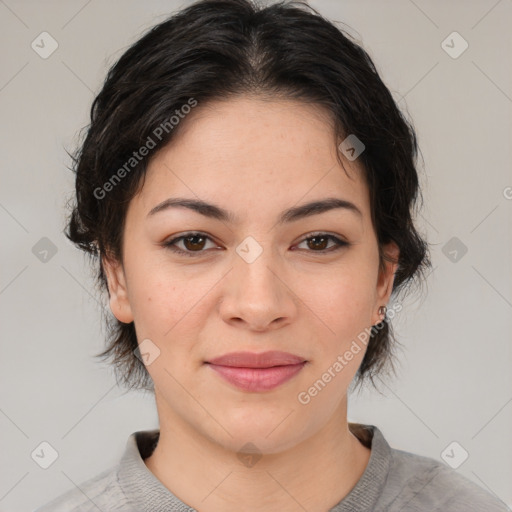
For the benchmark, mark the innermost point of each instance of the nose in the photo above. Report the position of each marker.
(257, 295)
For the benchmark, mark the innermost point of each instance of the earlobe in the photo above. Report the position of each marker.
(387, 274)
(118, 292)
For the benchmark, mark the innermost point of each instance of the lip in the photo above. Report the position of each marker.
(257, 371)
(257, 360)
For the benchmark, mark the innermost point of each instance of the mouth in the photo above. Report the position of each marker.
(257, 372)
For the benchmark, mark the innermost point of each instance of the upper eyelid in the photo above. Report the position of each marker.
(206, 235)
(175, 239)
(188, 234)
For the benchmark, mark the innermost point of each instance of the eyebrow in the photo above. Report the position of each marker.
(290, 215)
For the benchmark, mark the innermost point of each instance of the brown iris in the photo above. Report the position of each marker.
(194, 245)
(313, 242)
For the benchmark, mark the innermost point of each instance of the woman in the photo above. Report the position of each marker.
(246, 187)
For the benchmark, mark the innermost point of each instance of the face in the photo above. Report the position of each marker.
(199, 286)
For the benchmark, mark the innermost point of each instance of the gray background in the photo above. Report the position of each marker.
(454, 382)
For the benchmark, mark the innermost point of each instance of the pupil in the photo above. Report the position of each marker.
(318, 238)
(196, 244)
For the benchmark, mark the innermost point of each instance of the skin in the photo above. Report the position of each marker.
(255, 158)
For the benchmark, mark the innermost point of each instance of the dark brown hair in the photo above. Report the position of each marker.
(217, 49)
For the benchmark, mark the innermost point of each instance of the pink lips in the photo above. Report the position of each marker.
(257, 372)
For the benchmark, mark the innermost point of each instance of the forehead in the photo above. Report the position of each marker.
(252, 152)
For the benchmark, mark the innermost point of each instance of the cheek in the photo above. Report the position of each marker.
(342, 308)
(166, 301)
(342, 299)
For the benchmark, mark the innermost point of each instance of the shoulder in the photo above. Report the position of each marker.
(101, 492)
(417, 483)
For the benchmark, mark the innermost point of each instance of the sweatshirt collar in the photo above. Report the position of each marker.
(147, 494)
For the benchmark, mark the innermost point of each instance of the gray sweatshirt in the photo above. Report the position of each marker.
(393, 481)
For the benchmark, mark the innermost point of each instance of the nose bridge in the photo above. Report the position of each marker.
(253, 264)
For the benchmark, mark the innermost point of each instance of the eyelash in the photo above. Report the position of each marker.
(171, 244)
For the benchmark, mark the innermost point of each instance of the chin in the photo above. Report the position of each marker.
(267, 433)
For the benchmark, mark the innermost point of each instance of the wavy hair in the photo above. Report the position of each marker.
(217, 49)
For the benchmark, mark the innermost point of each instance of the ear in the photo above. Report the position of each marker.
(118, 292)
(386, 278)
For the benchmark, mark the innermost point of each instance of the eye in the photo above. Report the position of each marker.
(192, 243)
(319, 241)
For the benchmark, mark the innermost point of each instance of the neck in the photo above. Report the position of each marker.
(314, 475)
